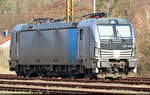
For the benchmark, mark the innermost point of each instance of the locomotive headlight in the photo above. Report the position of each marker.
(134, 52)
(96, 52)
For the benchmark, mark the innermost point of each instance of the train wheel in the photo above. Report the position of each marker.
(18, 74)
(91, 77)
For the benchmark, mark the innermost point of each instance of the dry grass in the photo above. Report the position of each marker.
(140, 19)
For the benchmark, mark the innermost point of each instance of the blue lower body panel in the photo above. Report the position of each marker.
(72, 46)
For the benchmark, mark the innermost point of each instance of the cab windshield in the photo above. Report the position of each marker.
(114, 31)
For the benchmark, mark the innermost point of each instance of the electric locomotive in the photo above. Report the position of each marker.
(93, 47)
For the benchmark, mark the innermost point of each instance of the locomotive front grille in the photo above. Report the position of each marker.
(121, 54)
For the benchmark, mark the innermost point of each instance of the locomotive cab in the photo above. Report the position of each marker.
(117, 46)
(110, 45)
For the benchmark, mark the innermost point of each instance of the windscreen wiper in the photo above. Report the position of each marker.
(123, 40)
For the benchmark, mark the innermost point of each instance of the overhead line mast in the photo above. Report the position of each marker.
(69, 11)
(94, 6)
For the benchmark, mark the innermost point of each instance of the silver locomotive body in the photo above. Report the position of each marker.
(87, 48)
(50, 49)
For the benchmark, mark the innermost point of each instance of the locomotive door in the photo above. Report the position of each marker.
(81, 54)
(84, 45)
(13, 47)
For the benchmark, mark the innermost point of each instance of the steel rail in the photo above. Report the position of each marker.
(132, 80)
(50, 91)
(87, 86)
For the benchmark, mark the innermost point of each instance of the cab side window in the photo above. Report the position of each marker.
(17, 37)
(81, 34)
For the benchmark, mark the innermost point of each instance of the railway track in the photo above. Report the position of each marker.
(137, 79)
(72, 83)
(39, 87)
(145, 89)
(52, 91)
(130, 80)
